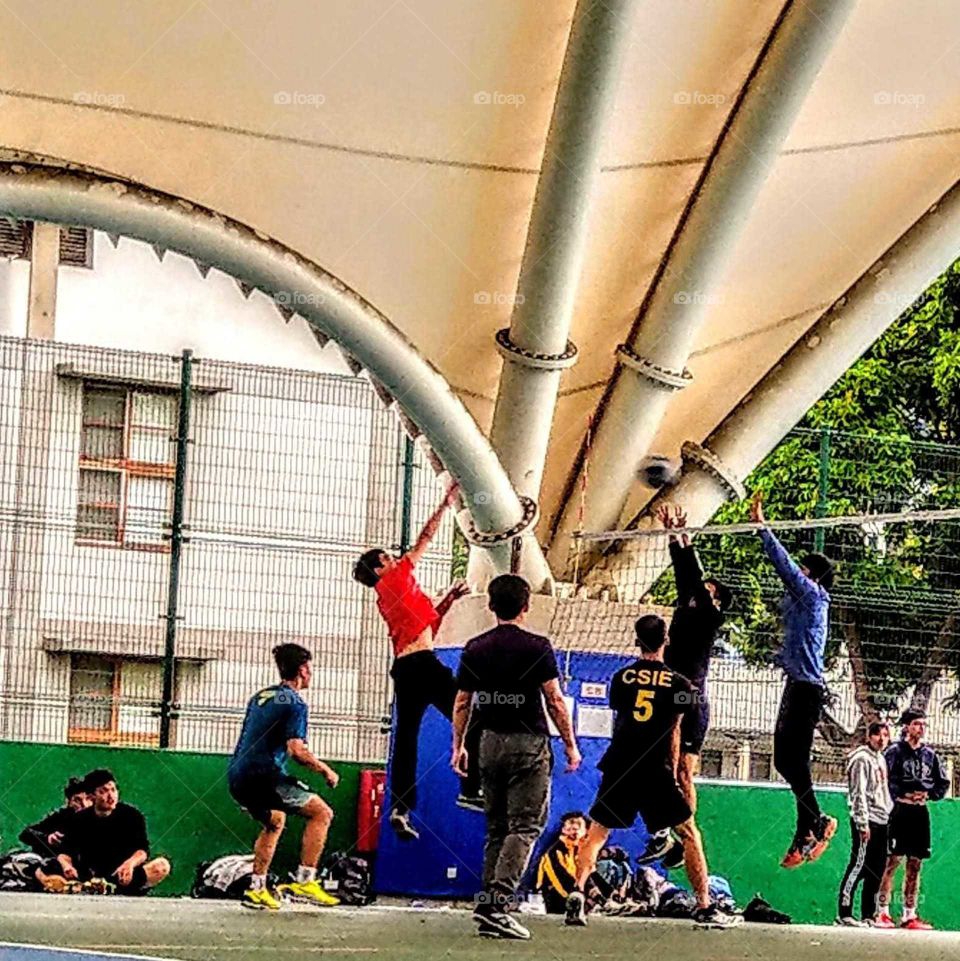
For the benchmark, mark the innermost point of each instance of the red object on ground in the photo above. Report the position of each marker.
(917, 924)
(373, 785)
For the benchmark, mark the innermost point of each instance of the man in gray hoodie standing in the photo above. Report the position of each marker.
(870, 807)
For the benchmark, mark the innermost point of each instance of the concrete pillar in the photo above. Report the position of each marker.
(42, 299)
(743, 761)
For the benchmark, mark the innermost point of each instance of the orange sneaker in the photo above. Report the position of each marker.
(793, 858)
(822, 833)
(917, 924)
(883, 920)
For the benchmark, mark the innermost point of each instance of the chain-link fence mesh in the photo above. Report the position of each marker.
(884, 510)
(289, 476)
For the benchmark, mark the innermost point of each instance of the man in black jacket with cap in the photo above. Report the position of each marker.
(699, 614)
(916, 776)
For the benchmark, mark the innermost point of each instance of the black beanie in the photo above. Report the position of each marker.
(820, 568)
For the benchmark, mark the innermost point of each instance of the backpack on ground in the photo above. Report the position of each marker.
(225, 878)
(18, 870)
(348, 878)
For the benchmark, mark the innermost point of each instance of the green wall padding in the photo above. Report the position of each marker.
(190, 814)
(746, 831)
(192, 818)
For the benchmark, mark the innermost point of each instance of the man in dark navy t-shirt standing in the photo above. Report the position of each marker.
(511, 672)
(275, 727)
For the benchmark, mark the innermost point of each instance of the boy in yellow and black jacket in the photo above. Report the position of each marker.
(557, 870)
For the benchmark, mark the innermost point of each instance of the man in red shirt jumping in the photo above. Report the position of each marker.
(419, 678)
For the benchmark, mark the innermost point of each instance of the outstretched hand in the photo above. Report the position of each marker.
(756, 509)
(663, 515)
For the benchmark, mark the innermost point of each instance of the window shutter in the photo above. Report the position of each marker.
(15, 238)
(76, 246)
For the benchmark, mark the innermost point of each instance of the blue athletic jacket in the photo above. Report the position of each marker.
(915, 769)
(805, 612)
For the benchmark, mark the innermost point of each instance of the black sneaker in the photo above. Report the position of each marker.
(674, 856)
(576, 913)
(403, 828)
(657, 847)
(499, 924)
(713, 917)
(471, 802)
(761, 911)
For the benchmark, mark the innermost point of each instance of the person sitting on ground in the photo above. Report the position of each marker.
(557, 870)
(46, 836)
(613, 876)
(108, 840)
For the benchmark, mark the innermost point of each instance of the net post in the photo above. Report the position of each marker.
(819, 534)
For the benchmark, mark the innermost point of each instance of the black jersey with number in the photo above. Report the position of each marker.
(647, 698)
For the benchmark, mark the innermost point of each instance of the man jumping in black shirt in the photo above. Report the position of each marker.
(640, 770)
(109, 841)
(699, 614)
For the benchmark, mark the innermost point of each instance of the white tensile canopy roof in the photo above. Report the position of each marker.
(398, 145)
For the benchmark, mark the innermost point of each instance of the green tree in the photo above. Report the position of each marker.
(896, 606)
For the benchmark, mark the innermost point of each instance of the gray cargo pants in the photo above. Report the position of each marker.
(515, 774)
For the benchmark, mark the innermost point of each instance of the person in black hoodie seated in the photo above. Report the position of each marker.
(699, 614)
(46, 836)
(108, 840)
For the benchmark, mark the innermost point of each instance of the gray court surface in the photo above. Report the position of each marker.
(222, 931)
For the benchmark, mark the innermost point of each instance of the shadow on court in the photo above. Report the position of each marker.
(222, 931)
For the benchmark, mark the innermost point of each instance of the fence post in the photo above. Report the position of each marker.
(176, 546)
(819, 535)
(406, 510)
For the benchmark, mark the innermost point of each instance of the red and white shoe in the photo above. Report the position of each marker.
(916, 924)
(822, 833)
(883, 920)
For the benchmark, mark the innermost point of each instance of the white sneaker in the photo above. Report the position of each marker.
(500, 924)
(850, 922)
(576, 913)
(403, 828)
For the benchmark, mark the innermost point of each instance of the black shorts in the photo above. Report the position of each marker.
(910, 831)
(263, 794)
(693, 726)
(654, 795)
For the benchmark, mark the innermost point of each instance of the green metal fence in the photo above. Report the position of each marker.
(165, 521)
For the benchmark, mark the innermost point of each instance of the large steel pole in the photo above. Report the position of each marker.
(297, 285)
(715, 472)
(535, 348)
(651, 364)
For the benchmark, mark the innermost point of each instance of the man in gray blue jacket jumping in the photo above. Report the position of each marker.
(805, 613)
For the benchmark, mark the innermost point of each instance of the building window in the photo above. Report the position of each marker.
(760, 769)
(125, 489)
(711, 763)
(76, 243)
(114, 701)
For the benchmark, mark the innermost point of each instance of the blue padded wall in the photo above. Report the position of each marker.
(447, 859)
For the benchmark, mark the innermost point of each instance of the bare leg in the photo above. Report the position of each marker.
(694, 861)
(886, 884)
(687, 770)
(319, 816)
(156, 870)
(265, 846)
(911, 886)
(590, 846)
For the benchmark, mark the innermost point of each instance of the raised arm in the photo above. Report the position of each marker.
(415, 554)
(785, 566)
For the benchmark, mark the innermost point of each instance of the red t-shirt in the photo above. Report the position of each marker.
(403, 605)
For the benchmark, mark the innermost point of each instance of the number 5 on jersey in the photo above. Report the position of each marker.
(643, 708)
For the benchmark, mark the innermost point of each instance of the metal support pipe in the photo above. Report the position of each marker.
(535, 348)
(176, 547)
(651, 365)
(823, 488)
(406, 505)
(810, 368)
(333, 309)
